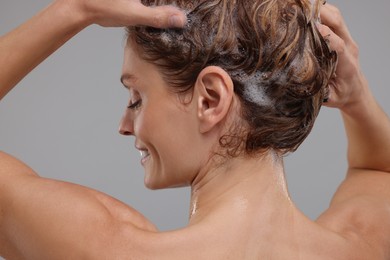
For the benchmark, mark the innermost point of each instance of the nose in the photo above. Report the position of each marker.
(126, 125)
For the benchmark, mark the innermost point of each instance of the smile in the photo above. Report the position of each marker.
(144, 155)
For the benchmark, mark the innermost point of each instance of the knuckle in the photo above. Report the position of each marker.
(338, 21)
(336, 11)
(341, 47)
(337, 17)
(354, 48)
(158, 20)
(328, 31)
(324, 30)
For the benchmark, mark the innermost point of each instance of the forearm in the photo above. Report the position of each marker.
(368, 132)
(24, 48)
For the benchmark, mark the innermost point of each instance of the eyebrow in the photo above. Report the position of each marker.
(127, 76)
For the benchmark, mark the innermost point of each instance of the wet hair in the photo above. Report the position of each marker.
(278, 61)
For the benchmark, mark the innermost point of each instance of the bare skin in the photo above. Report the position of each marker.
(240, 210)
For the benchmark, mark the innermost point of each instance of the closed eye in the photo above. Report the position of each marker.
(135, 104)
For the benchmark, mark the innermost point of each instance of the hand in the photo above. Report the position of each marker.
(348, 87)
(115, 13)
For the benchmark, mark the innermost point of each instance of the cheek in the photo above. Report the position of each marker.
(144, 124)
(167, 129)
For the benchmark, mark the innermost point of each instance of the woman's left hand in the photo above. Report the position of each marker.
(348, 87)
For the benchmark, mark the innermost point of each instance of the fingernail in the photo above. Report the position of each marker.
(175, 21)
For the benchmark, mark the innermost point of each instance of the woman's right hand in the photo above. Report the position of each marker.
(116, 13)
(348, 87)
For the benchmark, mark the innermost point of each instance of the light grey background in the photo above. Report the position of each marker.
(62, 119)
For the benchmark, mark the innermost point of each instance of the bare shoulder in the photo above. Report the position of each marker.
(10, 165)
(360, 212)
(69, 214)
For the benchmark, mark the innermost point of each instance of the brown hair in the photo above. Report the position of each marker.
(279, 63)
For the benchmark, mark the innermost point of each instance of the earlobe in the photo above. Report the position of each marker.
(215, 94)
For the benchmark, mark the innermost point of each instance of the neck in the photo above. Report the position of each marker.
(249, 186)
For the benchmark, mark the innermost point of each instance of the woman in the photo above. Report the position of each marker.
(240, 205)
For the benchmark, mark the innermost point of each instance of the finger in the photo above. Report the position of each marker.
(332, 99)
(335, 42)
(159, 17)
(347, 55)
(331, 17)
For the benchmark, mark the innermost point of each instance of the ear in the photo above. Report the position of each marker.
(215, 92)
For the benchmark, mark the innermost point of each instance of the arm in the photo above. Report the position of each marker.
(361, 205)
(27, 46)
(47, 219)
(368, 131)
(367, 125)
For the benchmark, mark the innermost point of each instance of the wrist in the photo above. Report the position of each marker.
(75, 11)
(362, 100)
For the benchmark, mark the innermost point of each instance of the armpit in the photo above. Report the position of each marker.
(364, 221)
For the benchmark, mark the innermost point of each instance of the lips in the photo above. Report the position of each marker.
(144, 153)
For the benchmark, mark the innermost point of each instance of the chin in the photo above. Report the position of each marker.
(152, 185)
(156, 185)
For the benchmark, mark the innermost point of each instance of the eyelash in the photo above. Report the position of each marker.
(135, 105)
